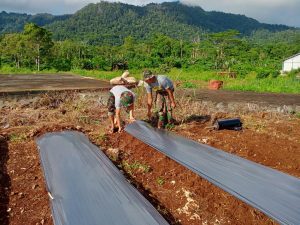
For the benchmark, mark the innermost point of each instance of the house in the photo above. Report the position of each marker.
(291, 63)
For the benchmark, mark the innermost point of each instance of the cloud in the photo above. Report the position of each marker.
(268, 11)
(58, 6)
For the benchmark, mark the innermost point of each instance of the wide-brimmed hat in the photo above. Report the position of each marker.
(126, 99)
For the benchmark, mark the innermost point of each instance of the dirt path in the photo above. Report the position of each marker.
(245, 97)
(38, 82)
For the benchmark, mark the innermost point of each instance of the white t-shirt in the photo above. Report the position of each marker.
(161, 84)
(117, 92)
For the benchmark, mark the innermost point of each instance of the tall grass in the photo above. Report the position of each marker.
(287, 84)
(276, 85)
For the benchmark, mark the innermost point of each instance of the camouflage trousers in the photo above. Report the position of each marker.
(111, 105)
(164, 112)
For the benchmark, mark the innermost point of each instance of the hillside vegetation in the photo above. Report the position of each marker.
(14, 22)
(84, 48)
(110, 23)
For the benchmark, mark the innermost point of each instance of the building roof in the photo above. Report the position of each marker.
(292, 56)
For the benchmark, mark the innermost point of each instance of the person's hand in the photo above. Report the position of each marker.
(120, 129)
(131, 120)
(111, 130)
(173, 105)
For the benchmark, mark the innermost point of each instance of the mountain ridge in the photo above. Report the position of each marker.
(110, 23)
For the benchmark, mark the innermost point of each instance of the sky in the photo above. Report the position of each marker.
(267, 11)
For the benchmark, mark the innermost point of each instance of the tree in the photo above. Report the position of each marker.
(38, 42)
(223, 40)
(12, 46)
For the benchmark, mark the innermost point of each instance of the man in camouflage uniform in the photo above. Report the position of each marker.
(163, 87)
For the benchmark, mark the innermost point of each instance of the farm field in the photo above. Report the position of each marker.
(270, 137)
(57, 66)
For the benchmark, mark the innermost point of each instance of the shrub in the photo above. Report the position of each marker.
(242, 70)
(293, 73)
(62, 64)
(164, 68)
(274, 73)
(266, 72)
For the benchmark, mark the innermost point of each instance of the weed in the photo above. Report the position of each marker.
(17, 137)
(80, 105)
(113, 158)
(298, 115)
(137, 166)
(160, 180)
(126, 166)
(102, 136)
(170, 126)
(84, 119)
(140, 167)
(88, 120)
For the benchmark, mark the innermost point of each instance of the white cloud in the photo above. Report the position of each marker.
(268, 11)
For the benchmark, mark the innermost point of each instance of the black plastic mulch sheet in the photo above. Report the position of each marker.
(86, 188)
(273, 192)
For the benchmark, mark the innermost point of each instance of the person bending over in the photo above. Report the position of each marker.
(163, 87)
(119, 97)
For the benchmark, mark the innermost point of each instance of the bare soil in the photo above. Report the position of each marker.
(182, 197)
(247, 96)
(42, 82)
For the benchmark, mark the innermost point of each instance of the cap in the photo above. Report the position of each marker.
(147, 74)
(126, 99)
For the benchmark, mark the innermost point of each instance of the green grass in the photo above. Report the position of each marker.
(276, 85)
(192, 79)
(102, 75)
(13, 70)
(106, 75)
(192, 75)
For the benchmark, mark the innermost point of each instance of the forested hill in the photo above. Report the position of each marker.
(110, 23)
(14, 22)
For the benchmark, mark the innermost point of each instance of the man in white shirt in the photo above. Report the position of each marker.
(120, 97)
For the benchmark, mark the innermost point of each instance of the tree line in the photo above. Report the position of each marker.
(263, 52)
